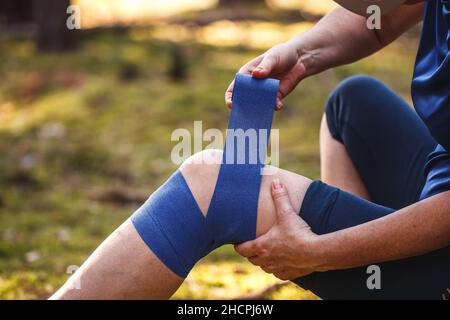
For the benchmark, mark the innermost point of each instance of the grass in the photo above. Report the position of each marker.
(71, 125)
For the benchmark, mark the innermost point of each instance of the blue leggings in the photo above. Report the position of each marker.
(389, 146)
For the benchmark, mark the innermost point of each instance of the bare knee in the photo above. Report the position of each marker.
(296, 186)
(200, 172)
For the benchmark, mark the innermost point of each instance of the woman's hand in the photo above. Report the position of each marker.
(288, 249)
(281, 62)
(341, 37)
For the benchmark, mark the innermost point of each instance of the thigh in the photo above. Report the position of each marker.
(384, 137)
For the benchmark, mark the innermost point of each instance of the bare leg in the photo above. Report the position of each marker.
(123, 267)
(337, 169)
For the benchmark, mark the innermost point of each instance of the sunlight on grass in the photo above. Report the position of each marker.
(25, 285)
(234, 279)
(225, 33)
(108, 12)
(125, 12)
(71, 123)
(251, 34)
(60, 106)
(318, 7)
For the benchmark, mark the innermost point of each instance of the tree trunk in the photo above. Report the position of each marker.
(15, 11)
(52, 32)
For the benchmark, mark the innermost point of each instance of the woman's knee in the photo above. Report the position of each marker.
(352, 101)
(355, 87)
(200, 172)
(296, 186)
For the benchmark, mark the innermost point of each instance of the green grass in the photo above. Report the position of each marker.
(69, 126)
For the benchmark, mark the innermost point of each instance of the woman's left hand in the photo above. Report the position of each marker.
(288, 249)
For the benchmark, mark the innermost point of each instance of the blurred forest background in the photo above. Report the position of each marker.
(86, 118)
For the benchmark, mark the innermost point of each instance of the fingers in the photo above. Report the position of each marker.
(246, 69)
(252, 248)
(281, 62)
(281, 199)
(291, 273)
(248, 249)
(289, 80)
(260, 261)
(278, 105)
(265, 67)
(282, 273)
(260, 67)
(229, 95)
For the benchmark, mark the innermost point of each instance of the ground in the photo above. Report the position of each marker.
(85, 137)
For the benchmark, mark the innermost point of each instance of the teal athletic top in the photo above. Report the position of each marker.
(431, 91)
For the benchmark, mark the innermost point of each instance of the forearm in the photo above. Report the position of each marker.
(342, 37)
(411, 231)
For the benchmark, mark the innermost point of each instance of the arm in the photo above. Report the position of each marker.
(414, 230)
(342, 37)
(339, 38)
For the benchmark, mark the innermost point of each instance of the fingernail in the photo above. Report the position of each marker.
(277, 184)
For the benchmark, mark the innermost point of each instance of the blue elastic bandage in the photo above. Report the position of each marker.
(170, 221)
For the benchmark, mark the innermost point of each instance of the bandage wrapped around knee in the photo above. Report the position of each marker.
(171, 223)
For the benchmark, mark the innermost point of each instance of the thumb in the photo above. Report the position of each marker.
(265, 67)
(281, 199)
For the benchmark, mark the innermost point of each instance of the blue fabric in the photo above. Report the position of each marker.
(386, 140)
(389, 146)
(232, 213)
(437, 171)
(171, 223)
(173, 226)
(431, 83)
(431, 90)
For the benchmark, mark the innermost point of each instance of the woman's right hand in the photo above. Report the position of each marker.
(281, 62)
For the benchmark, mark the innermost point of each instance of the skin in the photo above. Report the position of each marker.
(123, 267)
(414, 230)
(334, 155)
(341, 37)
(396, 236)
